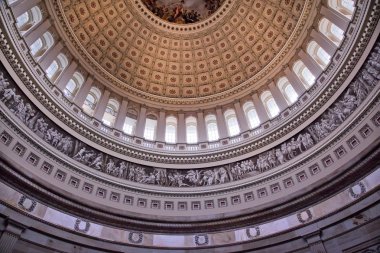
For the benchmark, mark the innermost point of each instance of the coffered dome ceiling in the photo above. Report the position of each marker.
(71, 163)
(232, 51)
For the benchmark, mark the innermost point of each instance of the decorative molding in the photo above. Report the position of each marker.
(354, 194)
(201, 240)
(27, 204)
(135, 237)
(82, 226)
(301, 216)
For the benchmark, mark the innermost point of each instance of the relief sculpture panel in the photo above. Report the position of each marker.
(17, 103)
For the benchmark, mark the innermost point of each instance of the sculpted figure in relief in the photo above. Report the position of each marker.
(98, 161)
(78, 156)
(110, 166)
(194, 176)
(8, 94)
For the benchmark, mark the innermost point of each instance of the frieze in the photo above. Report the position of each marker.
(45, 129)
(210, 157)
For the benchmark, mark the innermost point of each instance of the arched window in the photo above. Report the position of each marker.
(270, 104)
(91, 100)
(36, 46)
(41, 45)
(212, 127)
(331, 31)
(251, 114)
(171, 129)
(29, 19)
(150, 128)
(73, 85)
(110, 114)
(57, 67)
(232, 122)
(318, 54)
(345, 7)
(304, 74)
(10, 2)
(287, 90)
(22, 19)
(52, 69)
(191, 130)
(130, 122)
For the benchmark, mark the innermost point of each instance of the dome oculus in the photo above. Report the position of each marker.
(183, 11)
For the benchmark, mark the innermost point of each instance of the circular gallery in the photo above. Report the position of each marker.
(189, 126)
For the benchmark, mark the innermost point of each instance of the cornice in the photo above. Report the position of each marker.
(235, 153)
(333, 186)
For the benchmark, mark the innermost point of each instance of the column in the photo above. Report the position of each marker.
(30, 38)
(120, 119)
(261, 112)
(297, 84)
(140, 124)
(324, 42)
(335, 17)
(83, 91)
(240, 115)
(101, 106)
(161, 126)
(311, 64)
(222, 126)
(10, 236)
(278, 96)
(181, 129)
(23, 6)
(67, 75)
(50, 56)
(201, 127)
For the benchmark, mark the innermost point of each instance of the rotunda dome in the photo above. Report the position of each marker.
(191, 125)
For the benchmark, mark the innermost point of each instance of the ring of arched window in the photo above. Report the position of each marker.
(287, 90)
(270, 104)
(41, 45)
(251, 114)
(345, 7)
(318, 54)
(191, 130)
(211, 127)
(29, 19)
(331, 31)
(232, 122)
(171, 129)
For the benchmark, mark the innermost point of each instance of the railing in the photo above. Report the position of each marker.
(89, 104)
(192, 147)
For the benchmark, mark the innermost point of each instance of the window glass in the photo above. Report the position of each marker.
(212, 128)
(308, 76)
(233, 126)
(323, 55)
(171, 129)
(348, 4)
(212, 131)
(150, 129)
(22, 19)
(251, 114)
(272, 107)
(191, 130)
(52, 69)
(253, 118)
(36, 46)
(291, 94)
(129, 125)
